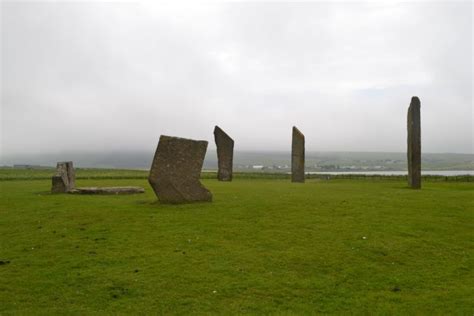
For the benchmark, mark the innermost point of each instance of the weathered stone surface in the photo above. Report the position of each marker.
(107, 190)
(297, 156)
(58, 184)
(65, 178)
(414, 144)
(176, 169)
(225, 154)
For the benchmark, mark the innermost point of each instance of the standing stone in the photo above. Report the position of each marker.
(176, 169)
(65, 178)
(297, 156)
(414, 144)
(225, 154)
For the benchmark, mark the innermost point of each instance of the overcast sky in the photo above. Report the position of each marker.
(115, 76)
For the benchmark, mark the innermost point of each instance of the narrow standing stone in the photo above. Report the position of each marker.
(65, 178)
(297, 156)
(176, 169)
(414, 144)
(225, 154)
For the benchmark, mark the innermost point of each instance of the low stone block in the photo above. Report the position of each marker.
(107, 190)
(65, 178)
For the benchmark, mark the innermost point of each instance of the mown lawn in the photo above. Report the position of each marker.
(263, 246)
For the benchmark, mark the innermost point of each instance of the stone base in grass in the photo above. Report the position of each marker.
(107, 190)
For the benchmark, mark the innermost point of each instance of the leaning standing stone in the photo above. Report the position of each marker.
(65, 178)
(176, 169)
(297, 156)
(414, 144)
(225, 154)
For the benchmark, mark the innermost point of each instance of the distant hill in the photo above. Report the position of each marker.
(273, 161)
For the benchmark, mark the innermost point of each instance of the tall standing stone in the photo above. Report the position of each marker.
(414, 144)
(65, 178)
(225, 154)
(297, 156)
(176, 169)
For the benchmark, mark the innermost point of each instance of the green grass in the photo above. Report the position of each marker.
(262, 247)
(81, 173)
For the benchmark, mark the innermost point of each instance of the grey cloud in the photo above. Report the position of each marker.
(111, 76)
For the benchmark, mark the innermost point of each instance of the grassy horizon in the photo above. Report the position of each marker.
(12, 174)
(263, 246)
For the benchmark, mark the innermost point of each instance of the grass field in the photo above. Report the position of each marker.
(263, 246)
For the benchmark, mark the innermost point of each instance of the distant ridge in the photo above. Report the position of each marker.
(277, 161)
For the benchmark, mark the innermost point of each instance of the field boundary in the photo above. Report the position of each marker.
(124, 174)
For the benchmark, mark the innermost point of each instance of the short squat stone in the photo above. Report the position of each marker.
(414, 143)
(297, 156)
(65, 178)
(225, 154)
(176, 169)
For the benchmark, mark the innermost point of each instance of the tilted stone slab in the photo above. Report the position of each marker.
(297, 156)
(65, 178)
(107, 190)
(225, 154)
(414, 143)
(176, 169)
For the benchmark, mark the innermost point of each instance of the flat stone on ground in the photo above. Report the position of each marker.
(107, 190)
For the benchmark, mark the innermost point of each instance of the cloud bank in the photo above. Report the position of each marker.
(114, 76)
